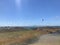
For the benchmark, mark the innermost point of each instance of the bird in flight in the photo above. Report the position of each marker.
(42, 19)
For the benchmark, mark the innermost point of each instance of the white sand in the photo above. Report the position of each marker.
(48, 39)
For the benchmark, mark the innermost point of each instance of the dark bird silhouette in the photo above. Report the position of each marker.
(42, 19)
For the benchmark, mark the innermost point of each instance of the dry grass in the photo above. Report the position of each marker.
(10, 38)
(16, 38)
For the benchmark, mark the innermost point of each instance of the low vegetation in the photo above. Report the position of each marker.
(21, 37)
(10, 38)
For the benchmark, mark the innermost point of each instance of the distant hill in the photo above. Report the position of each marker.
(46, 28)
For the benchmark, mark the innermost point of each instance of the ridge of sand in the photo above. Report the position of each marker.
(48, 39)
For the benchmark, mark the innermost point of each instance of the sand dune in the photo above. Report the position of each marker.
(48, 39)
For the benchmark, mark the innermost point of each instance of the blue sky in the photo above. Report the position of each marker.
(29, 12)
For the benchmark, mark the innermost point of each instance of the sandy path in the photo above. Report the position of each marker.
(48, 39)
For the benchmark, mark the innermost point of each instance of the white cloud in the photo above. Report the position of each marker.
(56, 17)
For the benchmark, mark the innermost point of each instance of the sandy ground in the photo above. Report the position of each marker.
(48, 39)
